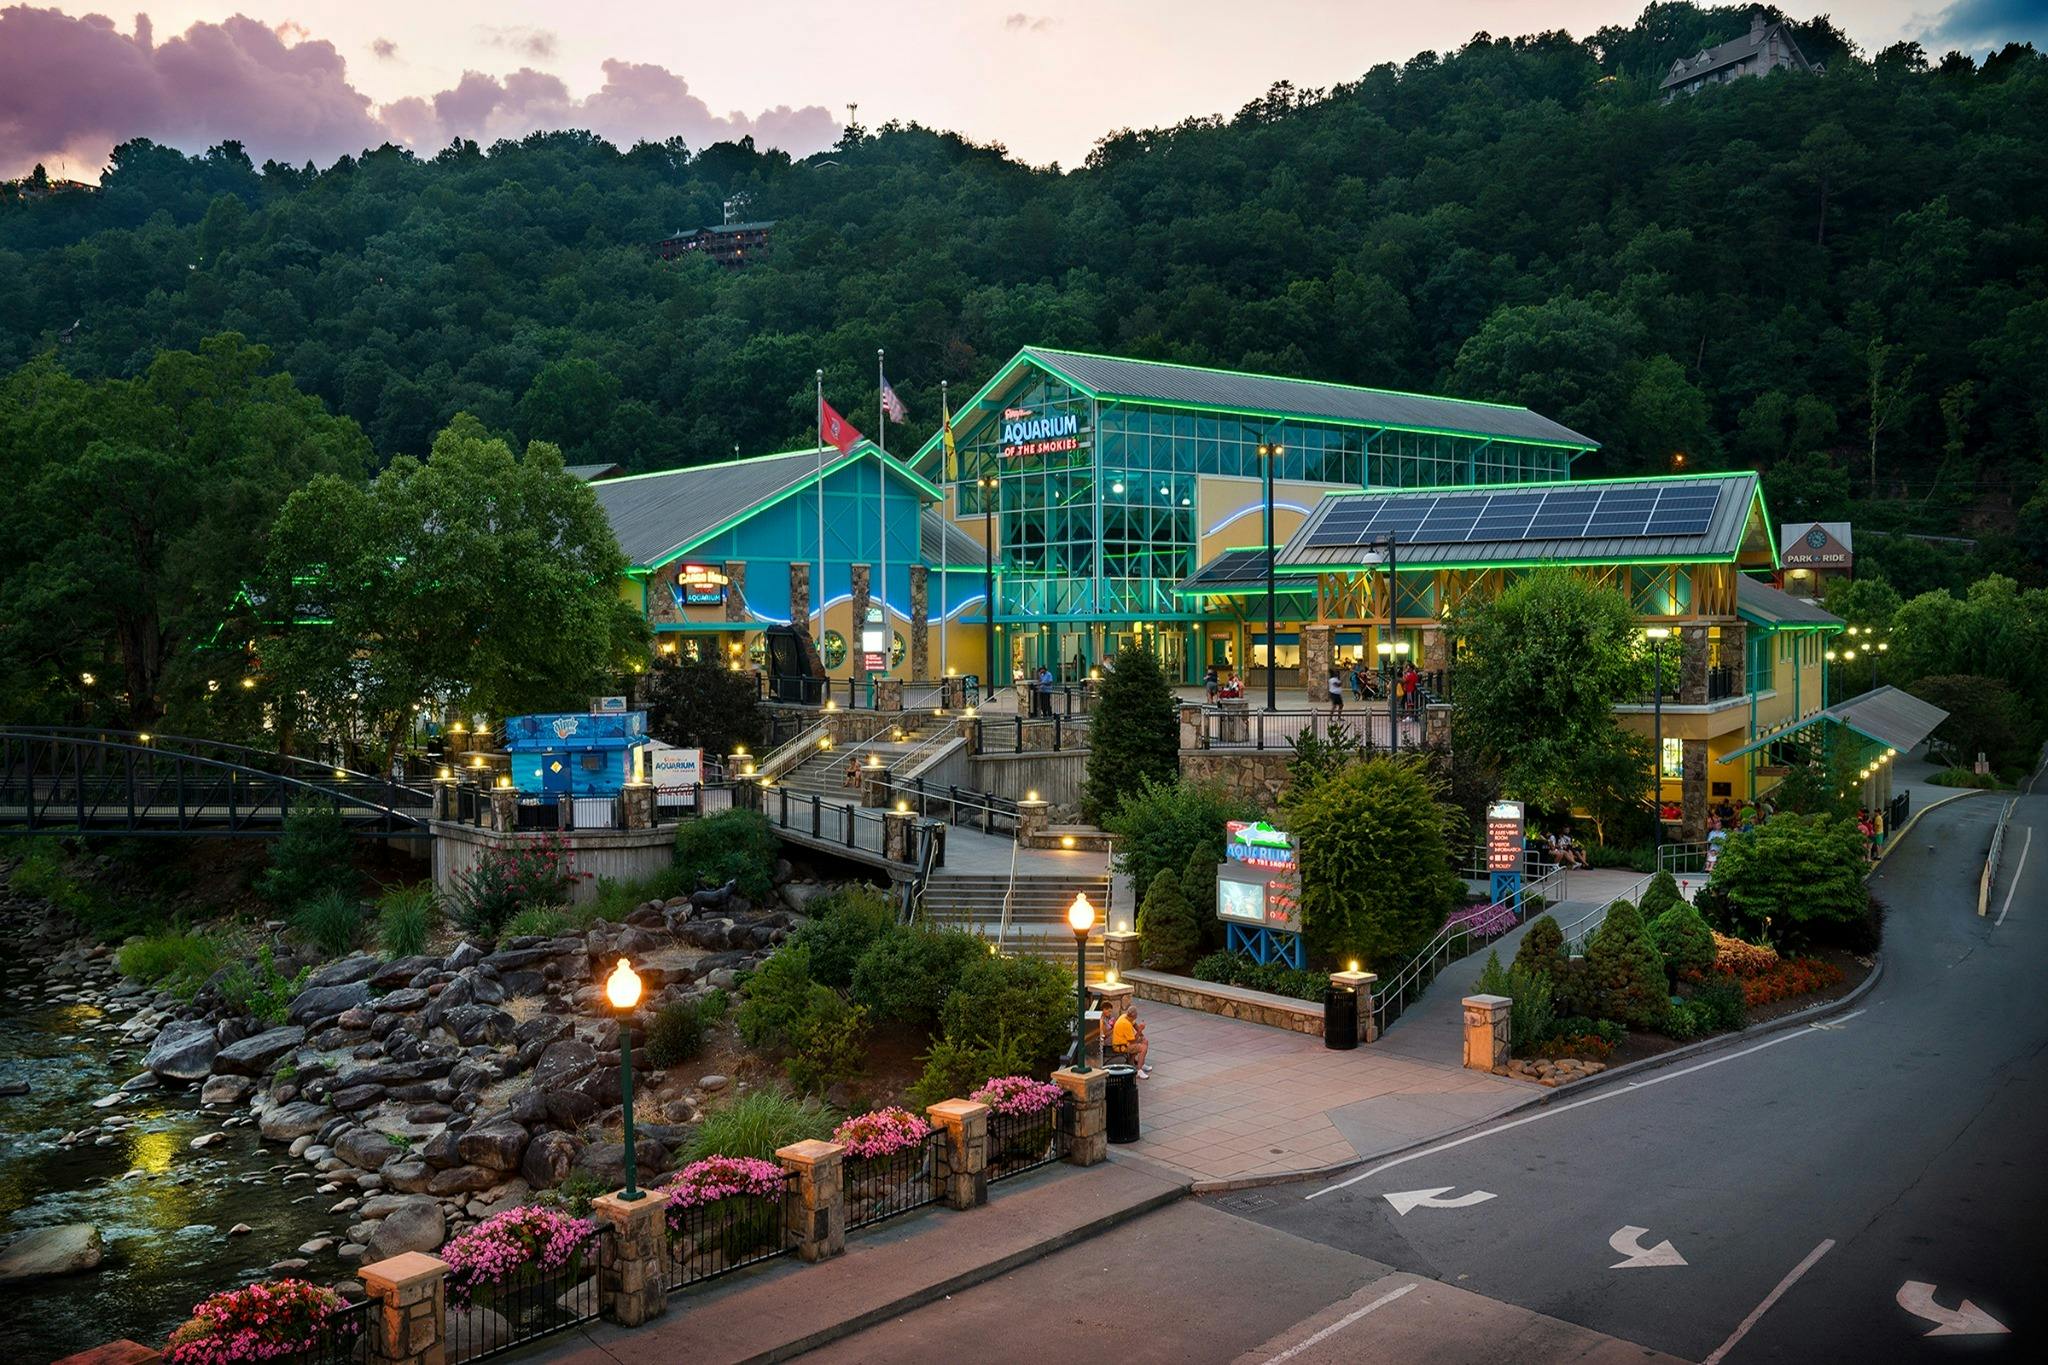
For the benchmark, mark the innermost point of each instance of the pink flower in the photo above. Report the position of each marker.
(881, 1133)
(1015, 1095)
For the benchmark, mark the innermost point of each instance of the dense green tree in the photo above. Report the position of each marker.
(480, 576)
(1168, 933)
(1375, 852)
(1794, 870)
(1623, 970)
(702, 705)
(1167, 826)
(1134, 734)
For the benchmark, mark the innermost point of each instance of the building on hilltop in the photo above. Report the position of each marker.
(1768, 46)
(729, 244)
(1812, 553)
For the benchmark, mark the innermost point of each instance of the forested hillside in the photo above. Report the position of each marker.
(1841, 277)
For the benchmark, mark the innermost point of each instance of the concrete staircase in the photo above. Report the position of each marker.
(824, 772)
(1038, 913)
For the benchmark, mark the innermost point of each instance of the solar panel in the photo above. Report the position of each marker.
(1615, 511)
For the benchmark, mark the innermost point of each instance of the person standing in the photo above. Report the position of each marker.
(1044, 690)
(1209, 684)
(1411, 689)
(1336, 687)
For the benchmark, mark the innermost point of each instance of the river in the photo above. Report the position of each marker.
(163, 1208)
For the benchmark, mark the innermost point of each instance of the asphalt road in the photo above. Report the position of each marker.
(1807, 1181)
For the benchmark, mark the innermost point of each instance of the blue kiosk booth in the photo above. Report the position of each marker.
(577, 753)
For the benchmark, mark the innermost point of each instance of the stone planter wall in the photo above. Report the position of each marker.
(1257, 776)
(1232, 1002)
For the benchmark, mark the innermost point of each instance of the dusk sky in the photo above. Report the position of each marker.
(299, 79)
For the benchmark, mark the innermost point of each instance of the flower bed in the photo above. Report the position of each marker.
(511, 1259)
(884, 1132)
(1742, 959)
(1017, 1095)
(723, 1212)
(889, 1155)
(1789, 978)
(279, 1320)
(1023, 1123)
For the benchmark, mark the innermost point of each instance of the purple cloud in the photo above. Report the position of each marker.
(71, 88)
(537, 43)
(384, 48)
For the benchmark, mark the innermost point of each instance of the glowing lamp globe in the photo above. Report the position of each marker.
(1081, 914)
(622, 987)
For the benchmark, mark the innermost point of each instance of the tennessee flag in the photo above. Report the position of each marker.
(836, 430)
(952, 455)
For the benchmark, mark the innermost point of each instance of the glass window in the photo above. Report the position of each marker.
(1673, 764)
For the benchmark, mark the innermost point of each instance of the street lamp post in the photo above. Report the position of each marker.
(1081, 918)
(1657, 636)
(988, 486)
(1269, 451)
(622, 989)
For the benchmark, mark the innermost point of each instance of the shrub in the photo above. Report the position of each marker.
(1865, 934)
(676, 1035)
(1660, 895)
(773, 998)
(179, 961)
(1171, 824)
(278, 1318)
(1375, 859)
(1683, 940)
(1274, 978)
(506, 880)
(406, 916)
(757, 1123)
(1542, 951)
(537, 922)
(1167, 931)
(1579, 1026)
(1792, 976)
(746, 1190)
(1198, 884)
(1531, 1014)
(310, 858)
(1018, 998)
(1635, 859)
(1590, 1046)
(263, 991)
(1683, 1021)
(1965, 777)
(956, 1067)
(1134, 736)
(1795, 870)
(615, 899)
(906, 974)
(1624, 971)
(1719, 1000)
(884, 1132)
(1741, 959)
(1218, 967)
(843, 926)
(828, 1042)
(330, 922)
(730, 846)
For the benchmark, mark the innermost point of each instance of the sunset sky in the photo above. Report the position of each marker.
(299, 79)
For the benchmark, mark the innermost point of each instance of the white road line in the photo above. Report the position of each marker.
(1756, 1313)
(1632, 1088)
(1341, 1323)
(2019, 867)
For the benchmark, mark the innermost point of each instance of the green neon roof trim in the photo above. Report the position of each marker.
(1309, 570)
(1416, 428)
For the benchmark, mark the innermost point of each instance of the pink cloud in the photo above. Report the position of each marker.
(71, 88)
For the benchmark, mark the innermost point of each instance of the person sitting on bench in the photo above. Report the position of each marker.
(1127, 1036)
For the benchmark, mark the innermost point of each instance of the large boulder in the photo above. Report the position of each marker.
(473, 1332)
(225, 1089)
(283, 1122)
(365, 1148)
(472, 1024)
(570, 1108)
(65, 1249)
(416, 1225)
(404, 1000)
(563, 1062)
(317, 1004)
(400, 971)
(497, 1145)
(605, 1162)
(463, 1180)
(184, 1051)
(254, 1056)
(345, 972)
(549, 1159)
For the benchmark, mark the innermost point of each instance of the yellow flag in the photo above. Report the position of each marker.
(952, 455)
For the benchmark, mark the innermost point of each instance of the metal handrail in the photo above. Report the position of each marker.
(1989, 877)
(939, 739)
(1574, 941)
(1391, 999)
(190, 745)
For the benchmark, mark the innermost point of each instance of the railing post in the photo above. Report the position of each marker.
(1088, 1110)
(631, 1251)
(412, 1328)
(1056, 734)
(960, 1172)
(815, 1211)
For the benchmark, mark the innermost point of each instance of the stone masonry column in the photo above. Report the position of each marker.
(1031, 822)
(961, 1170)
(816, 1211)
(1692, 819)
(636, 804)
(861, 580)
(629, 1273)
(897, 843)
(412, 1326)
(1121, 947)
(920, 622)
(1088, 1116)
(800, 598)
(1692, 666)
(1317, 644)
(504, 809)
(736, 591)
(1486, 1032)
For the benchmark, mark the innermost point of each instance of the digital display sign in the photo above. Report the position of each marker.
(1260, 883)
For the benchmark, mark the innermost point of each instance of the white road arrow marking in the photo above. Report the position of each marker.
(1404, 1200)
(1629, 1242)
(1917, 1298)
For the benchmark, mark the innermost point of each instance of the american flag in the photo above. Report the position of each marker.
(891, 404)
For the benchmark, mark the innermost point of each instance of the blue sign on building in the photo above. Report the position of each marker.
(583, 754)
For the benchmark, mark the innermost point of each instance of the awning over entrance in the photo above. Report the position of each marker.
(1886, 716)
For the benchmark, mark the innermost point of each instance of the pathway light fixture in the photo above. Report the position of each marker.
(622, 990)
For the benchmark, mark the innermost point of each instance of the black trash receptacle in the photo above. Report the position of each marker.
(1120, 1099)
(1340, 1018)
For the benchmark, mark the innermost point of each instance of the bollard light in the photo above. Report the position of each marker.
(622, 989)
(1081, 918)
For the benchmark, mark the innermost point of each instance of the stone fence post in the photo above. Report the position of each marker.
(1486, 1032)
(636, 805)
(412, 1328)
(1088, 1135)
(1121, 948)
(504, 809)
(632, 1257)
(961, 1170)
(123, 1352)
(816, 1208)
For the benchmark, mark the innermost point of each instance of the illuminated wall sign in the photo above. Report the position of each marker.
(1504, 831)
(1260, 883)
(1025, 434)
(699, 585)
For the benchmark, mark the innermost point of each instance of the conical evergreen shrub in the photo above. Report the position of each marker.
(1167, 932)
(1624, 971)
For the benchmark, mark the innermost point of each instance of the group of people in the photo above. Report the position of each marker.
(1557, 847)
(1222, 684)
(1407, 686)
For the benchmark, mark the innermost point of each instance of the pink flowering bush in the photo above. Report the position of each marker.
(1016, 1095)
(527, 875)
(262, 1322)
(528, 1243)
(722, 1211)
(884, 1132)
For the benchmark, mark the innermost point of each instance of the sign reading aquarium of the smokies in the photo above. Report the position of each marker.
(1032, 433)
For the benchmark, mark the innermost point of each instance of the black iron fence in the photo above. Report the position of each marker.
(1054, 733)
(956, 805)
(342, 1338)
(532, 1303)
(796, 689)
(1241, 727)
(1895, 813)
(880, 1187)
(1023, 1142)
(718, 1238)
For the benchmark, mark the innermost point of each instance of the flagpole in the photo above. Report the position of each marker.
(821, 514)
(882, 487)
(944, 599)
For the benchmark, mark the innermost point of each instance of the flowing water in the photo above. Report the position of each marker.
(163, 1208)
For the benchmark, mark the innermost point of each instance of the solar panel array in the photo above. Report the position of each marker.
(1581, 513)
(1232, 568)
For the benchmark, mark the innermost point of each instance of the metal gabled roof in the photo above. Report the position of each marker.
(940, 542)
(656, 517)
(1769, 606)
(1884, 715)
(1734, 527)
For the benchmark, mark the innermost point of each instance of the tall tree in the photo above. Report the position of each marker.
(1134, 733)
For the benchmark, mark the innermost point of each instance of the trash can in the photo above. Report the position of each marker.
(1340, 1019)
(1120, 1100)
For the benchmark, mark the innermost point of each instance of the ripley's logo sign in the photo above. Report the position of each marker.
(1027, 435)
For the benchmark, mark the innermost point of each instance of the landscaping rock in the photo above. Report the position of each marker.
(225, 1089)
(605, 1162)
(570, 1108)
(401, 1001)
(473, 1332)
(319, 1003)
(713, 1083)
(346, 972)
(65, 1249)
(563, 1062)
(466, 954)
(498, 1145)
(282, 1123)
(549, 1159)
(365, 1148)
(408, 1175)
(417, 1225)
(400, 971)
(462, 1180)
(184, 1051)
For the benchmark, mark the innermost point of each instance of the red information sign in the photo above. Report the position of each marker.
(1504, 830)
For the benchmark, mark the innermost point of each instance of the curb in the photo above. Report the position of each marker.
(970, 1277)
(1893, 839)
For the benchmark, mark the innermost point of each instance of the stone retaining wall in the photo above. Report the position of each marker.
(1254, 775)
(623, 855)
(1232, 1002)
